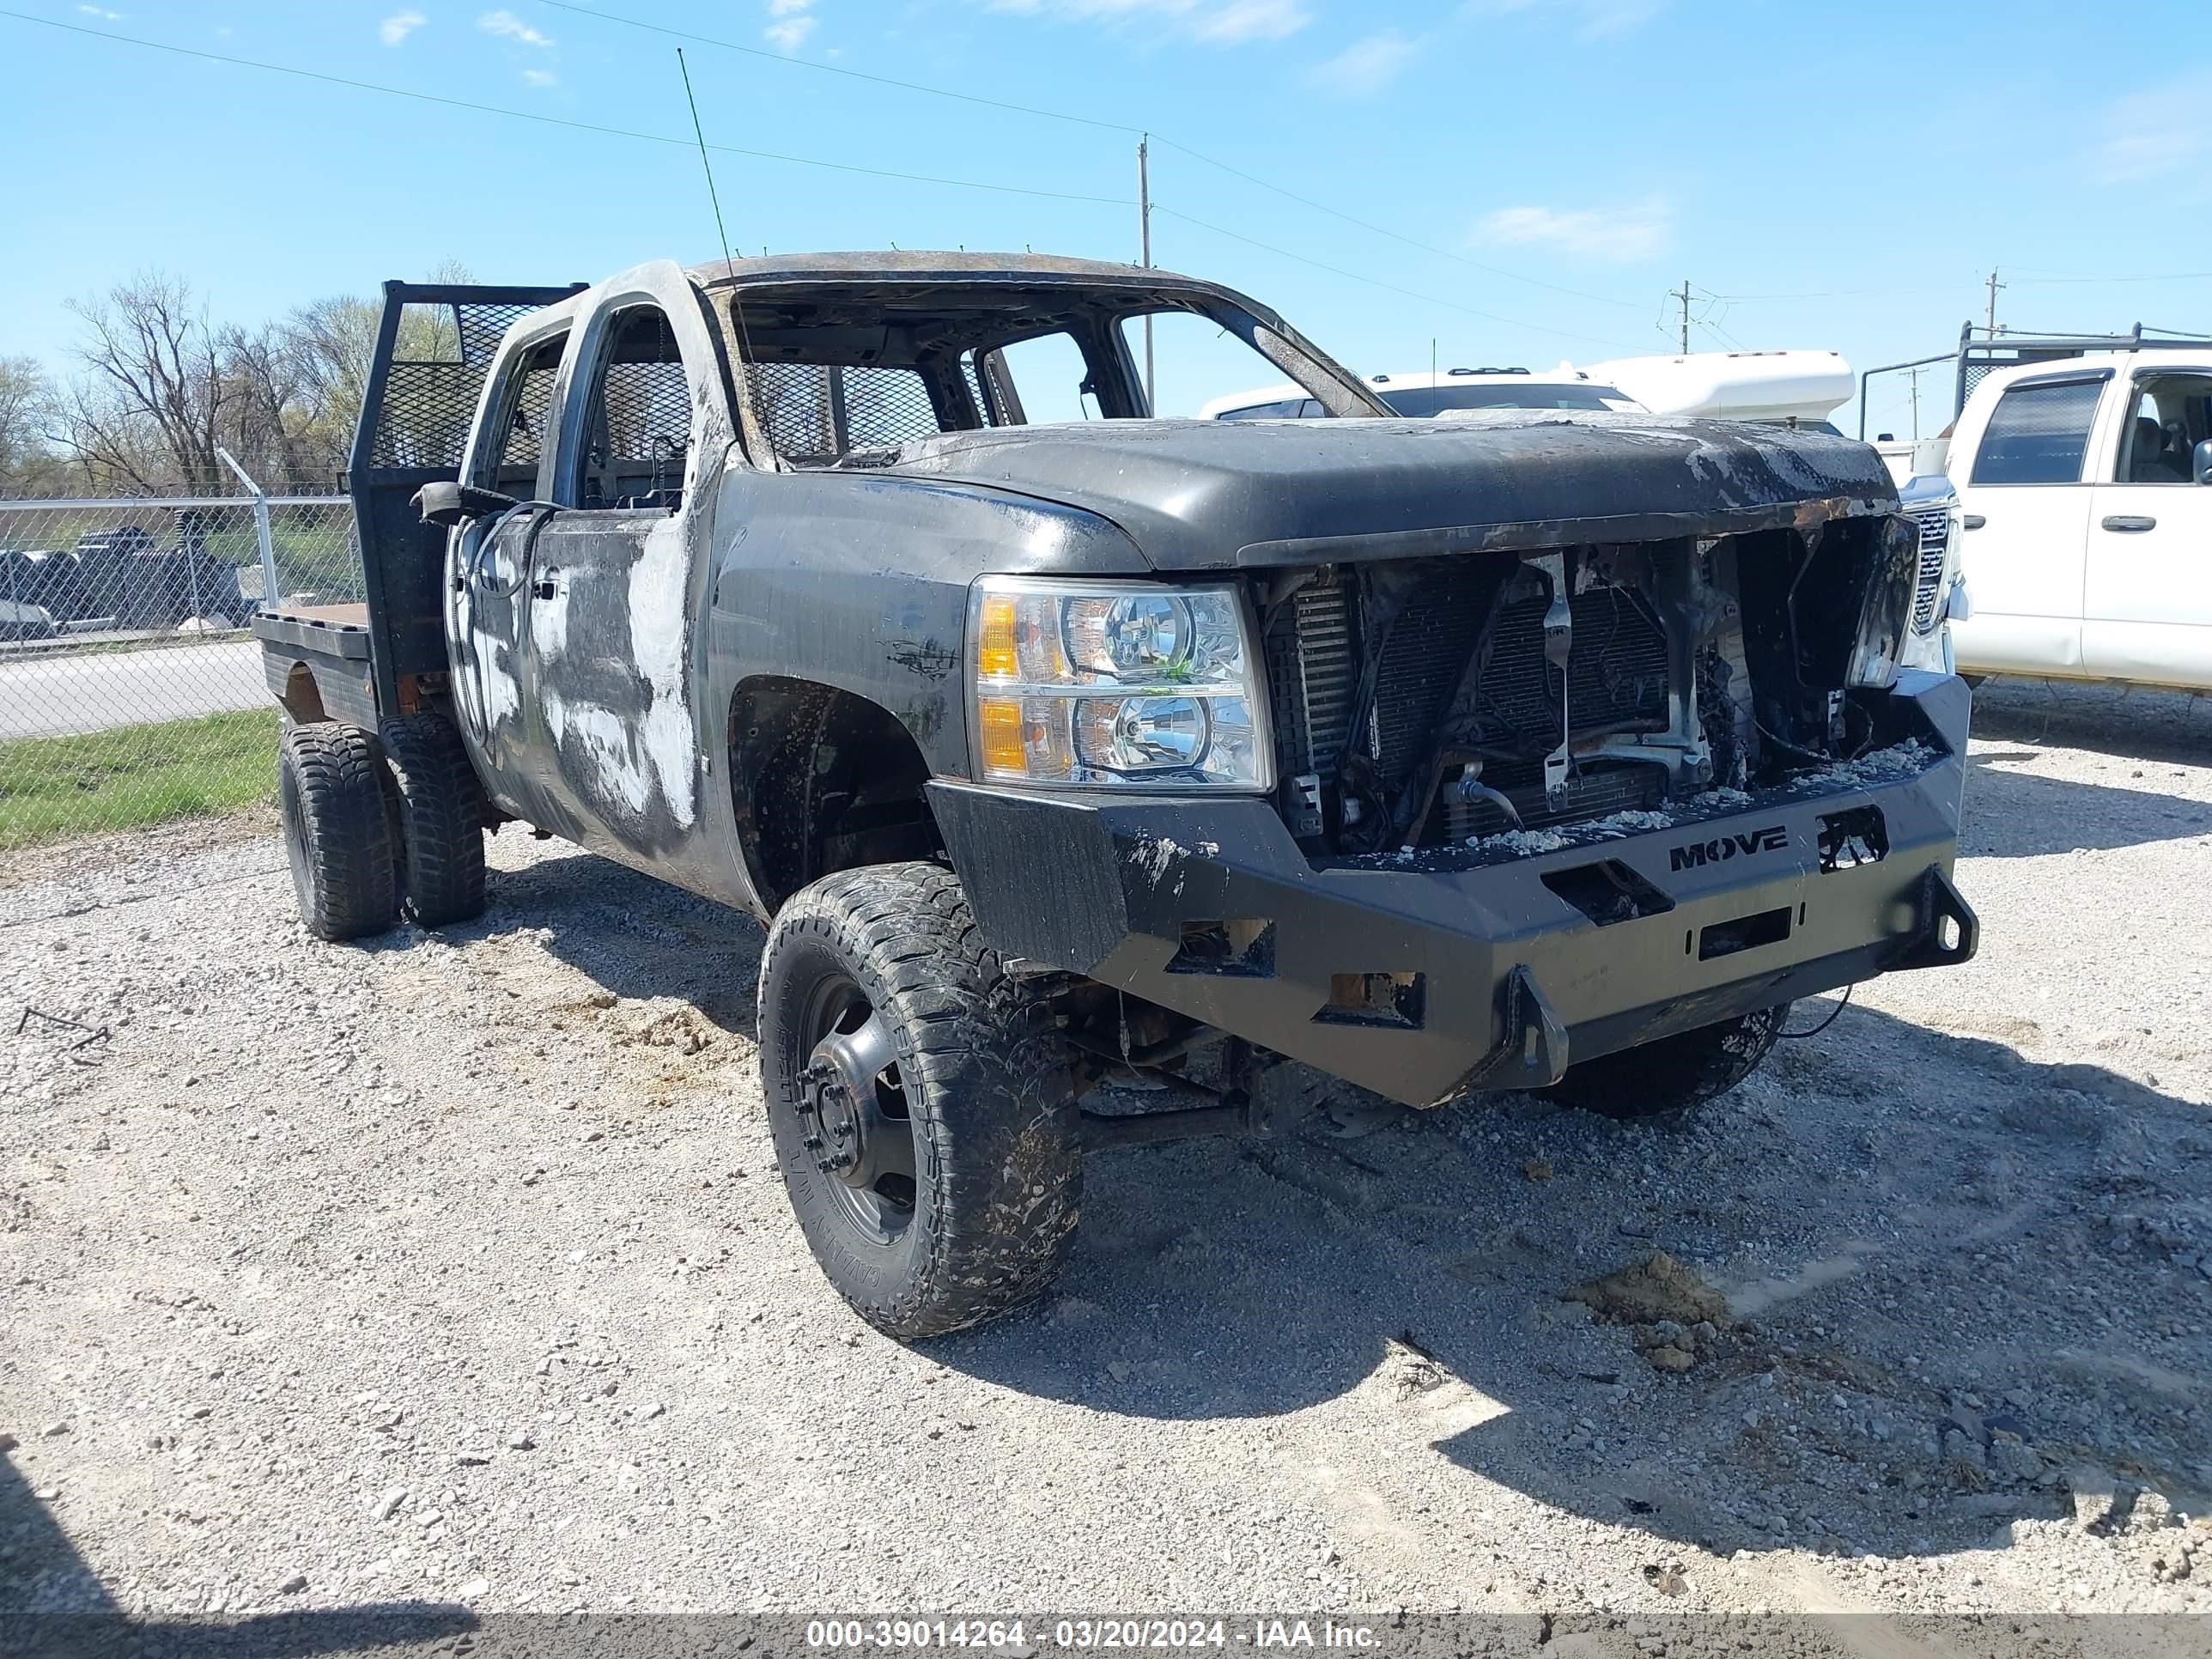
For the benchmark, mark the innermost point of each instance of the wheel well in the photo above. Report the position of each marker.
(822, 779)
(303, 698)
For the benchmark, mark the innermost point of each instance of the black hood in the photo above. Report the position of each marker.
(1210, 495)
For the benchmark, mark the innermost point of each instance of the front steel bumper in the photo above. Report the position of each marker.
(1504, 981)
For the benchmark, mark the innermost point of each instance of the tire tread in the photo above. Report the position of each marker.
(333, 775)
(441, 811)
(998, 1144)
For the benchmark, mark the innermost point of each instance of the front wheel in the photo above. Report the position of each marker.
(1675, 1073)
(920, 1102)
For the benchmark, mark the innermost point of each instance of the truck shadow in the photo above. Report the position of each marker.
(1911, 1359)
(53, 1605)
(2011, 813)
(635, 937)
(2126, 720)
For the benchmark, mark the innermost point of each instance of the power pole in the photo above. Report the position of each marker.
(1914, 375)
(1994, 286)
(1685, 316)
(1145, 242)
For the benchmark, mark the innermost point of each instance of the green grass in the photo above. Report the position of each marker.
(134, 775)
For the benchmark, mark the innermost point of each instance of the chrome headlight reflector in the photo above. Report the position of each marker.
(1103, 684)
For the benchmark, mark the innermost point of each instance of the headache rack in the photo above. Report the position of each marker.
(434, 347)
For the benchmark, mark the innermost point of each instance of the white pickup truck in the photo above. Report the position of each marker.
(2086, 491)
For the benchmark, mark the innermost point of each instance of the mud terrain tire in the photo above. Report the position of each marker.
(439, 813)
(1675, 1073)
(337, 837)
(892, 1039)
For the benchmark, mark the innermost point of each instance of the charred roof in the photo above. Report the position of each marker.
(903, 268)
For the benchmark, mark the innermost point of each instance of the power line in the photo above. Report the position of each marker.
(555, 120)
(2171, 277)
(771, 155)
(1087, 121)
(1380, 230)
(1410, 293)
(1949, 288)
(837, 69)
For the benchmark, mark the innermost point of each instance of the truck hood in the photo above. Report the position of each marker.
(1226, 495)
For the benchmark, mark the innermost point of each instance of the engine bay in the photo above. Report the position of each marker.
(1442, 702)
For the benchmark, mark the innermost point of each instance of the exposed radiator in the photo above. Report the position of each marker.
(1428, 650)
(1617, 674)
(1598, 790)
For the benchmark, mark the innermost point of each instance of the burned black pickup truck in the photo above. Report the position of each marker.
(1059, 745)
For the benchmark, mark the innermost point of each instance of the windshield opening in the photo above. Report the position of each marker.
(846, 376)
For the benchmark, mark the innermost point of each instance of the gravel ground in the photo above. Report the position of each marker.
(456, 1270)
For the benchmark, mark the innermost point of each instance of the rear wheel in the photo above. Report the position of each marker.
(1675, 1073)
(920, 1100)
(337, 837)
(440, 812)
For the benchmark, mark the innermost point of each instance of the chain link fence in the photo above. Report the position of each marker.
(131, 687)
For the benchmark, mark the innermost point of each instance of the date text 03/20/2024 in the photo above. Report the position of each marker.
(1089, 1633)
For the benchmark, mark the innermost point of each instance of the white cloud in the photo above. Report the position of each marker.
(1365, 67)
(1216, 23)
(540, 78)
(397, 26)
(1617, 234)
(512, 27)
(2160, 130)
(793, 25)
(1592, 19)
(101, 13)
(1239, 20)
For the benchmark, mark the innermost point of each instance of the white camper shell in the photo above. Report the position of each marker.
(1805, 388)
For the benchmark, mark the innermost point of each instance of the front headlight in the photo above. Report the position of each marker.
(1115, 685)
(1888, 611)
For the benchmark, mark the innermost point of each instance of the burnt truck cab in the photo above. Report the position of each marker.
(1539, 749)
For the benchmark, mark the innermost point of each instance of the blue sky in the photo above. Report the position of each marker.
(1823, 175)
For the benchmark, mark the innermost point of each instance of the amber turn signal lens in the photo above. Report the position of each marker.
(995, 648)
(1001, 718)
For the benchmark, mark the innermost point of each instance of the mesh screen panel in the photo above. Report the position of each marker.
(437, 371)
(526, 432)
(647, 411)
(818, 413)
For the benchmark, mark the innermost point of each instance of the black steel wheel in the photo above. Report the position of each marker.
(1675, 1073)
(920, 1102)
(337, 834)
(853, 1105)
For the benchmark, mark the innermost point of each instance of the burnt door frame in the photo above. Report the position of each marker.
(614, 637)
(487, 574)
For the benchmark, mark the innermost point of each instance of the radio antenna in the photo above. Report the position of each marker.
(744, 366)
(707, 166)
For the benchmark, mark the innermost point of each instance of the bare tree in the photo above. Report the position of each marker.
(161, 388)
(152, 405)
(331, 344)
(282, 423)
(28, 463)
